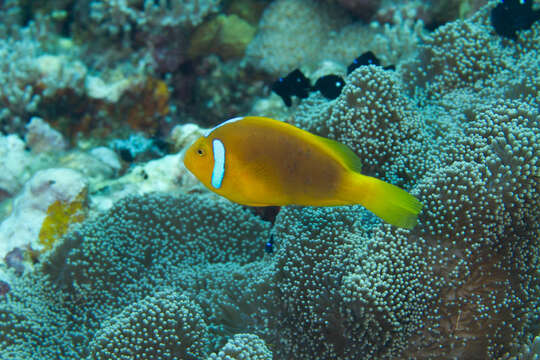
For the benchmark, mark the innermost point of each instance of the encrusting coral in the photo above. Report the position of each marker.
(19, 75)
(452, 126)
(296, 33)
(171, 256)
(173, 328)
(243, 346)
(161, 28)
(281, 44)
(375, 119)
(120, 16)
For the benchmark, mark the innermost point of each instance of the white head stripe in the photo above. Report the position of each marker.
(219, 163)
(209, 131)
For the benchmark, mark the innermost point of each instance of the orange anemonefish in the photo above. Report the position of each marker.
(259, 161)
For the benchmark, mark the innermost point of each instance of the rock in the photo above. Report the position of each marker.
(4, 288)
(225, 35)
(138, 148)
(364, 9)
(167, 174)
(107, 156)
(41, 137)
(15, 260)
(30, 209)
(59, 73)
(111, 92)
(14, 167)
(91, 167)
(184, 135)
(248, 10)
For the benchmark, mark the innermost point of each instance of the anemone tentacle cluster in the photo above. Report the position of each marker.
(186, 276)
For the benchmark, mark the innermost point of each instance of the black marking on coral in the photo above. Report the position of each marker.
(509, 16)
(330, 86)
(367, 58)
(294, 84)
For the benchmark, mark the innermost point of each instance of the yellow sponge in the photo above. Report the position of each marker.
(60, 215)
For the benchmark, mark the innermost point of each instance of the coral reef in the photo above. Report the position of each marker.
(161, 268)
(14, 165)
(243, 346)
(118, 17)
(221, 90)
(203, 297)
(160, 29)
(41, 137)
(227, 36)
(61, 214)
(173, 328)
(49, 201)
(295, 33)
(375, 118)
(363, 9)
(281, 44)
(62, 90)
(19, 74)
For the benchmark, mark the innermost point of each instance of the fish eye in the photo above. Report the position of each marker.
(200, 152)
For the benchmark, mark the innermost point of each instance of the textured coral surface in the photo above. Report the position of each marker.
(186, 275)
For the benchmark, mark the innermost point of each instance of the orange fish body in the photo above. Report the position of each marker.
(258, 161)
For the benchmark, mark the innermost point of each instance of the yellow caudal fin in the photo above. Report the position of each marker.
(387, 201)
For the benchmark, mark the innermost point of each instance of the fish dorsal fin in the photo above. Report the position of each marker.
(343, 153)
